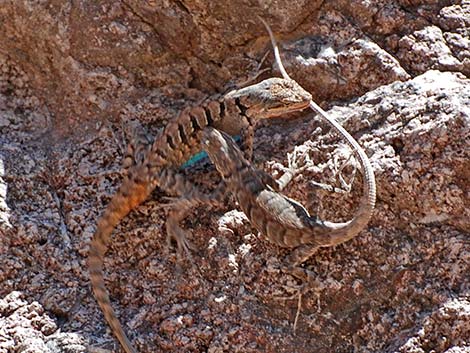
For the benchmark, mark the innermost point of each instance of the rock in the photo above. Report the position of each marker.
(425, 123)
(340, 73)
(25, 327)
(74, 74)
(427, 49)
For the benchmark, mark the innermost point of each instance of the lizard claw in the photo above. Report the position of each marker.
(294, 167)
(346, 185)
(294, 158)
(299, 292)
(349, 160)
(325, 187)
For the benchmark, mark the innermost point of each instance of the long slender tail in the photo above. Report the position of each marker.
(129, 196)
(341, 232)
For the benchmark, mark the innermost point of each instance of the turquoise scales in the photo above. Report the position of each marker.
(203, 156)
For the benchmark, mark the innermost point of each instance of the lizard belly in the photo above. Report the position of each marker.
(274, 216)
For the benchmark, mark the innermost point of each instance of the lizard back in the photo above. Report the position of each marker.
(282, 220)
(181, 138)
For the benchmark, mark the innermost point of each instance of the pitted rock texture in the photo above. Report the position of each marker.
(25, 327)
(395, 73)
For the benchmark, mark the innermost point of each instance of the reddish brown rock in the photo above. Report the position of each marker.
(72, 74)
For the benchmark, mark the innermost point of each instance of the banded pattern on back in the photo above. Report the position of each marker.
(156, 166)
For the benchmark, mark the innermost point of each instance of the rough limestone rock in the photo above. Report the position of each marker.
(395, 73)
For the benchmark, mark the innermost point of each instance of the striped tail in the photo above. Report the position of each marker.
(129, 196)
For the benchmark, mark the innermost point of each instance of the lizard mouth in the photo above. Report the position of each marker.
(274, 112)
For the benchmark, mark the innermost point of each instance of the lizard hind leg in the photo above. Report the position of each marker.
(178, 211)
(291, 266)
(293, 261)
(179, 207)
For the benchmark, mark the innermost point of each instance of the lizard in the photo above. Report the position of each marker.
(285, 221)
(282, 220)
(157, 165)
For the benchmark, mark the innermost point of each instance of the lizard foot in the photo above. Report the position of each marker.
(346, 186)
(297, 162)
(298, 294)
(184, 246)
(320, 190)
(308, 278)
(309, 282)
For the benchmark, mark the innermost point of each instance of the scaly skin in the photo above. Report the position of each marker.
(340, 231)
(129, 196)
(282, 220)
(156, 166)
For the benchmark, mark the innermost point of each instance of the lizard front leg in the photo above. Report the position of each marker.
(293, 168)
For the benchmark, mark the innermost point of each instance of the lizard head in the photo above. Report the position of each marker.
(271, 98)
(222, 150)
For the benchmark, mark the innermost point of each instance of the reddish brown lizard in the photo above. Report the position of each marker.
(157, 166)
